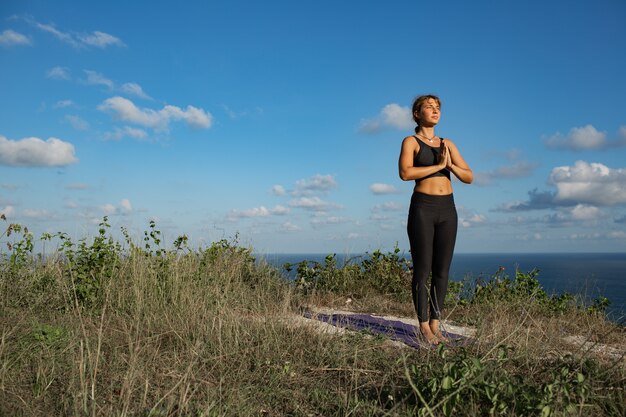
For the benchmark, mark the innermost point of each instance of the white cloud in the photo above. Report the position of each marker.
(134, 90)
(36, 152)
(62, 36)
(591, 183)
(388, 206)
(126, 131)
(469, 218)
(253, 212)
(280, 210)
(312, 203)
(289, 227)
(514, 167)
(95, 78)
(100, 40)
(58, 73)
(585, 212)
(577, 215)
(126, 110)
(379, 188)
(261, 211)
(123, 208)
(578, 138)
(329, 220)
(12, 38)
(108, 209)
(8, 211)
(278, 190)
(62, 104)
(94, 39)
(617, 234)
(397, 116)
(472, 220)
(518, 169)
(392, 115)
(316, 184)
(192, 115)
(126, 206)
(76, 122)
(370, 126)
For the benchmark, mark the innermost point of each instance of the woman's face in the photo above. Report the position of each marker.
(429, 113)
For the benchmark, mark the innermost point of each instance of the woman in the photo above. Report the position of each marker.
(429, 159)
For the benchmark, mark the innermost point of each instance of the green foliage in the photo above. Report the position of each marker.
(599, 305)
(388, 273)
(526, 288)
(326, 276)
(49, 336)
(152, 241)
(21, 248)
(225, 249)
(497, 387)
(88, 266)
(455, 293)
(382, 273)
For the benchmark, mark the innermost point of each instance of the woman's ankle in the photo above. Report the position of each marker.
(434, 326)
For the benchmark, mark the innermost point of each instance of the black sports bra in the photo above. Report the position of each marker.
(428, 156)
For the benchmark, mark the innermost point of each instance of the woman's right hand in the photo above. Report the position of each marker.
(444, 157)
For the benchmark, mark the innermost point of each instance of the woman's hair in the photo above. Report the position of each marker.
(417, 106)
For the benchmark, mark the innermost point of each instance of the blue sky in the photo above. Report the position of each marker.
(281, 121)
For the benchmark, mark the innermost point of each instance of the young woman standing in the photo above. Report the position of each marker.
(432, 224)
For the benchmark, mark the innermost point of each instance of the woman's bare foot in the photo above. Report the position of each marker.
(441, 338)
(427, 335)
(433, 325)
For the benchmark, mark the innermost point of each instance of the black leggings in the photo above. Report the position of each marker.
(432, 228)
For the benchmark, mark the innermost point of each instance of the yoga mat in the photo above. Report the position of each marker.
(393, 329)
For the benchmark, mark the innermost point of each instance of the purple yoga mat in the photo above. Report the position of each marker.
(393, 329)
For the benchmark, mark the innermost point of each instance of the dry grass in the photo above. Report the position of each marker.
(205, 335)
(206, 339)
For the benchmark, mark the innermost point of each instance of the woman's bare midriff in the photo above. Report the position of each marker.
(434, 186)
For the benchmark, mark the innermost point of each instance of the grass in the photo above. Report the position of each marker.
(109, 328)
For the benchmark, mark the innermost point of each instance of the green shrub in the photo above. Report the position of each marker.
(378, 272)
(461, 383)
(525, 288)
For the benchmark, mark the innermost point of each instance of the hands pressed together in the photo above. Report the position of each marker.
(445, 161)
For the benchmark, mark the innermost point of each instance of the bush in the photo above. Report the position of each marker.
(379, 273)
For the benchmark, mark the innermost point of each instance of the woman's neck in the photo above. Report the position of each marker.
(426, 131)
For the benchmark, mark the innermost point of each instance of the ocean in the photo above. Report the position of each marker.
(588, 274)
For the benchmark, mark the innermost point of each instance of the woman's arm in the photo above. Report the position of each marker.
(457, 165)
(406, 170)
